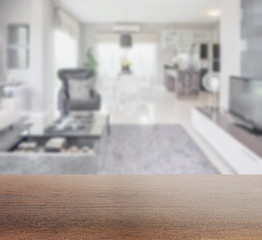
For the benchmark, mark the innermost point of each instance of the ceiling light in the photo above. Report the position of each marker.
(126, 41)
(216, 12)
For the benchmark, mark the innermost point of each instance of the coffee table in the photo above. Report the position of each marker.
(94, 133)
(92, 124)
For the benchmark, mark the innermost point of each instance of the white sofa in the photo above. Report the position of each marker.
(9, 112)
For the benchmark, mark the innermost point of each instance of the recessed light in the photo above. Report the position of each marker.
(215, 12)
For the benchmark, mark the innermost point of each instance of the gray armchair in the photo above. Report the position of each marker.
(66, 103)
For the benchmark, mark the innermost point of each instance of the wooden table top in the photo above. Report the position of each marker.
(137, 207)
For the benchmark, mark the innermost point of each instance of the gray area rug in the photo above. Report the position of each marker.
(47, 164)
(159, 149)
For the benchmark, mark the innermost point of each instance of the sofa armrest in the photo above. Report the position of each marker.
(62, 101)
(97, 97)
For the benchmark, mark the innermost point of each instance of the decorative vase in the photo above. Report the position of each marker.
(126, 69)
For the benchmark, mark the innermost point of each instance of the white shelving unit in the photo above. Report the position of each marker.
(239, 148)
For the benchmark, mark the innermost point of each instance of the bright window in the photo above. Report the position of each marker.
(66, 50)
(143, 56)
(66, 55)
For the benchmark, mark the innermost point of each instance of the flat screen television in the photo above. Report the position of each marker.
(246, 101)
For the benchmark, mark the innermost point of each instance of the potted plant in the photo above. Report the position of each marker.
(91, 62)
(126, 66)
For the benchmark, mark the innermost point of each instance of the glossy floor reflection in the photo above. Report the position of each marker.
(157, 106)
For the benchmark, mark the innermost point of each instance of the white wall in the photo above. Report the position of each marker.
(42, 63)
(230, 39)
(39, 77)
(12, 12)
(89, 31)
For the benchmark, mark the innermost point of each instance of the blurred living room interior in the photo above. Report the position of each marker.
(130, 87)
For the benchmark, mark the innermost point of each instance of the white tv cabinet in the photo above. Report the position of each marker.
(241, 149)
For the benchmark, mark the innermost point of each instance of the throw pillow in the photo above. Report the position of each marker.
(79, 89)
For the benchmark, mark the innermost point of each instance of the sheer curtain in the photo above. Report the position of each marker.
(66, 43)
(66, 50)
(109, 56)
(143, 56)
(144, 61)
(66, 56)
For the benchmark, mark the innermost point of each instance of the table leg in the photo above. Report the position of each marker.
(108, 126)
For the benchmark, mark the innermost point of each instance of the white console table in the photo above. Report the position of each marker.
(21, 93)
(239, 148)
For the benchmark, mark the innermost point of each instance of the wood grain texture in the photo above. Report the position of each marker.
(137, 207)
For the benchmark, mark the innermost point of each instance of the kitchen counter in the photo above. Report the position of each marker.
(170, 78)
(185, 84)
(131, 207)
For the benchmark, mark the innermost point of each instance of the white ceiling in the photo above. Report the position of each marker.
(142, 10)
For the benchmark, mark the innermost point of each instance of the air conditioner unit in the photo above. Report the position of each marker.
(126, 28)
